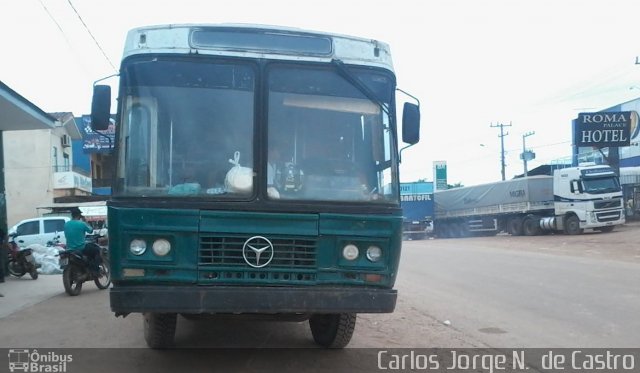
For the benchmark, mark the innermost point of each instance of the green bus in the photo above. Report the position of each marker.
(256, 173)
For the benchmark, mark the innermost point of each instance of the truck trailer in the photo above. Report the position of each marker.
(573, 199)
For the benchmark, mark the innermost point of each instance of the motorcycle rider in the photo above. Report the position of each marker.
(74, 231)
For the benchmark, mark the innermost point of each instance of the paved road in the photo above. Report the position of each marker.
(511, 298)
(20, 293)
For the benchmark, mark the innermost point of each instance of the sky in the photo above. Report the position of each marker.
(473, 64)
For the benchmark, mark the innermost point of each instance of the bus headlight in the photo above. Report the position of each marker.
(374, 253)
(161, 247)
(350, 252)
(137, 247)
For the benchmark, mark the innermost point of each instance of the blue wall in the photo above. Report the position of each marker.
(80, 159)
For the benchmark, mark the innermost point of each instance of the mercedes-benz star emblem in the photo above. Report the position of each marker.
(257, 251)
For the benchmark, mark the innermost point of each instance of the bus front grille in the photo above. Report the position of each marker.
(221, 260)
(227, 251)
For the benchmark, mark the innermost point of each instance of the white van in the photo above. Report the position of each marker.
(39, 230)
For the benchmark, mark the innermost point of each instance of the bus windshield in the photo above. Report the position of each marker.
(188, 129)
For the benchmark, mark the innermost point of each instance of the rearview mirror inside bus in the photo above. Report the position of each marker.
(100, 107)
(411, 123)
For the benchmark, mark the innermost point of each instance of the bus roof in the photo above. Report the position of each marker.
(256, 41)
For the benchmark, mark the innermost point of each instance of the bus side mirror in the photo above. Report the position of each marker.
(410, 123)
(101, 107)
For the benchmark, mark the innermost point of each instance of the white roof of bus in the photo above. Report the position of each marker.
(174, 38)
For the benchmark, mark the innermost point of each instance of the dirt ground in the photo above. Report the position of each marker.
(623, 244)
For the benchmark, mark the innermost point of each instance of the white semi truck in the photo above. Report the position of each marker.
(573, 199)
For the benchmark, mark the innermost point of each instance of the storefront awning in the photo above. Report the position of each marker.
(18, 113)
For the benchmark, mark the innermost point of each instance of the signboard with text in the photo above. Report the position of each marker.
(605, 129)
(72, 180)
(440, 175)
(94, 142)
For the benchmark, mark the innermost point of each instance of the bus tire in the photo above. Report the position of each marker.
(332, 330)
(159, 329)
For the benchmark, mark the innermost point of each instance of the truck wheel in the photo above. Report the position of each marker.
(441, 231)
(461, 229)
(514, 226)
(464, 229)
(159, 329)
(446, 230)
(454, 230)
(572, 225)
(333, 330)
(531, 226)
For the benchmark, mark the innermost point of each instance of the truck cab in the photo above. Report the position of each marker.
(589, 196)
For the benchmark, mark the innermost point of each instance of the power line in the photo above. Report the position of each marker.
(57, 24)
(92, 37)
(539, 146)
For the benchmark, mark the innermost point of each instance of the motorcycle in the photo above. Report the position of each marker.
(76, 270)
(21, 260)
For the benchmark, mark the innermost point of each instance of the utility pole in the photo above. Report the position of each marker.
(525, 155)
(501, 136)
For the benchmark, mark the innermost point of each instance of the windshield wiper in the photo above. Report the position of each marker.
(356, 82)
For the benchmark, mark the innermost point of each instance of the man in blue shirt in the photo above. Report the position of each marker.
(74, 232)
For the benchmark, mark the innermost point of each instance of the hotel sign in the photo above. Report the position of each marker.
(606, 129)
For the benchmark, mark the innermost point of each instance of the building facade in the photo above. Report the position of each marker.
(39, 168)
(628, 158)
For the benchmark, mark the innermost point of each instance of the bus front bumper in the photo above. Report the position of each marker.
(241, 299)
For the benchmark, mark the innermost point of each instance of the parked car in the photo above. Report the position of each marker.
(39, 230)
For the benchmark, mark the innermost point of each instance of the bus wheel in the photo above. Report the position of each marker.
(333, 330)
(159, 329)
